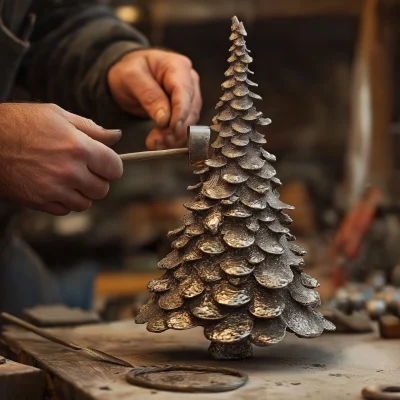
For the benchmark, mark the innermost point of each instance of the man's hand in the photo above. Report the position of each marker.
(161, 85)
(52, 160)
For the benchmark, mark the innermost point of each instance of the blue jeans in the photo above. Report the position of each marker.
(26, 282)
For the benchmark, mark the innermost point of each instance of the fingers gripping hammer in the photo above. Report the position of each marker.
(197, 149)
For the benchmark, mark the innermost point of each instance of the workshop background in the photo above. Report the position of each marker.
(323, 69)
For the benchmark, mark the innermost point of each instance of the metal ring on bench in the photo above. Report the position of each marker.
(138, 375)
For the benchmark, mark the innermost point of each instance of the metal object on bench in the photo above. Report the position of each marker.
(141, 377)
(381, 392)
(86, 350)
(197, 148)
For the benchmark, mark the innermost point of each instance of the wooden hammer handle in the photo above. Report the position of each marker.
(151, 155)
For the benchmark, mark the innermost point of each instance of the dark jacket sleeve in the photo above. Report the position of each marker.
(73, 45)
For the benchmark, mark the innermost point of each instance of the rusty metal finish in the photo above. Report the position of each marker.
(244, 282)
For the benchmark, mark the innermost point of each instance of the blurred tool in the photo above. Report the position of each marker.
(369, 160)
(357, 322)
(347, 243)
(197, 150)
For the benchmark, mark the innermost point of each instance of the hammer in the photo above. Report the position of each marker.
(198, 144)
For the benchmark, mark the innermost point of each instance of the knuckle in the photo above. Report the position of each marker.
(149, 96)
(102, 191)
(60, 213)
(186, 61)
(195, 76)
(54, 107)
(83, 205)
(67, 174)
(77, 148)
(118, 170)
(114, 164)
(89, 124)
(195, 116)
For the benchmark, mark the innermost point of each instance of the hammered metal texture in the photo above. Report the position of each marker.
(205, 307)
(231, 351)
(171, 300)
(309, 281)
(199, 203)
(160, 284)
(176, 231)
(207, 271)
(191, 286)
(303, 320)
(242, 140)
(254, 200)
(302, 294)
(256, 137)
(273, 273)
(269, 242)
(183, 272)
(233, 328)
(255, 255)
(181, 320)
(172, 260)
(238, 237)
(237, 210)
(297, 249)
(259, 185)
(182, 241)
(232, 173)
(268, 332)
(211, 245)
(267, 303)
(232, 151)
(230, 295)
(213, 220)
(216, 188)
(234, 268)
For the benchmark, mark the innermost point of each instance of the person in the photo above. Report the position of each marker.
(78, 61)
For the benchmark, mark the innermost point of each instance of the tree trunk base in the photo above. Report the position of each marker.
(231, 351)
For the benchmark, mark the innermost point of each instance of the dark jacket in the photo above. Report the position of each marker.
(61, 50)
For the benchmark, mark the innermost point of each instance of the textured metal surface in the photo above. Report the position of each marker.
(202, 379)
(229, 295)
(237, 268)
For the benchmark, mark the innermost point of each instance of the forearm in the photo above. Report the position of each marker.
(71, 53)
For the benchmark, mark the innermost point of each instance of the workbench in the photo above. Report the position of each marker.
(334, 366)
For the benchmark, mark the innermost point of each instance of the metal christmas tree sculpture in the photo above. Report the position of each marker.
(234, 269)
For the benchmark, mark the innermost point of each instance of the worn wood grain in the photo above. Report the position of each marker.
(20, 382)
(333, 366)
(59, 315)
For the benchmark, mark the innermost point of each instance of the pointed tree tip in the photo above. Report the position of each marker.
(235, 20)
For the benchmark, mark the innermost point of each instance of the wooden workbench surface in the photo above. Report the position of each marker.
(331, 367)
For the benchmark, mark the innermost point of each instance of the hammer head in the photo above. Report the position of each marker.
(198, 144)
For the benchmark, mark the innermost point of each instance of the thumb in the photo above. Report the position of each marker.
(151, 96)
(106, 136)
